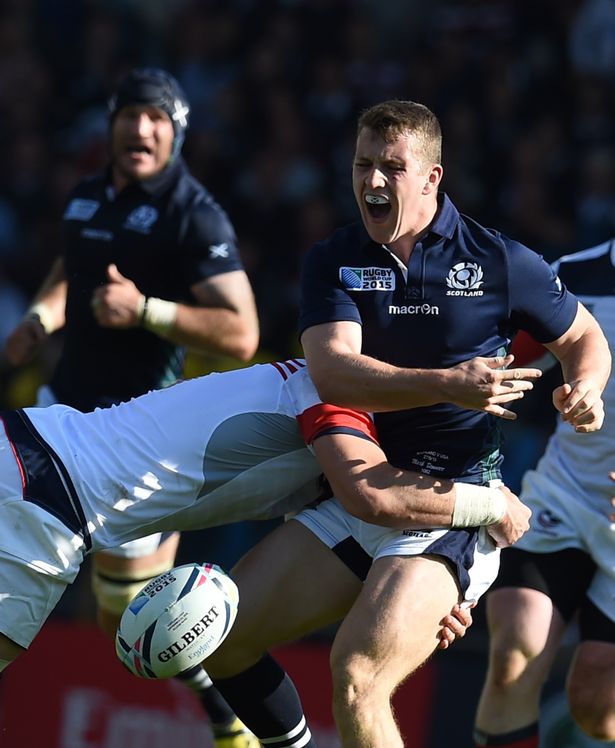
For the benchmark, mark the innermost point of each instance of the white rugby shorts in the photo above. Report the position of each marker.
(470, 551)
(560, 520)
(39, 556)
(138, 548)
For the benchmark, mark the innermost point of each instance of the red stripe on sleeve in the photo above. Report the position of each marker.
(325, 417)
(280, 370)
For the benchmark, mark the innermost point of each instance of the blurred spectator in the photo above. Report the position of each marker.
(592, 38)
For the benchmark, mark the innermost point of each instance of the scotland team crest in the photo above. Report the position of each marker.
(141, 219)
(465, 279)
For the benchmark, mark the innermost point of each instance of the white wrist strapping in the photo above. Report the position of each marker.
(477, 505)
(44, 315)
(157, 315)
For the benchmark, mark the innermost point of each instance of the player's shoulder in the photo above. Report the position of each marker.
(479, 239)
(90, 186)
(85, 198)
(346, 240)
(589, 271)
(194, 198)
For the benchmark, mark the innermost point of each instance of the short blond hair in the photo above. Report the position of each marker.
(391, 119)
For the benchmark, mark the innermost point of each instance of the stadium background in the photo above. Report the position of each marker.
(524, 92)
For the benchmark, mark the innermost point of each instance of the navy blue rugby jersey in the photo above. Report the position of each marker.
(165, 234)
(467, 290)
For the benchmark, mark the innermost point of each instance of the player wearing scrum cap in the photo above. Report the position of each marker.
(150, 265)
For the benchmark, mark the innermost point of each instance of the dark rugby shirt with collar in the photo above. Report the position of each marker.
(465, 292)
(165, 234)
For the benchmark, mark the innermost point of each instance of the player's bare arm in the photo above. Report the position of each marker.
(44, 316)
(373, 490)
(345, 376)
(584, 355)
(223, 319)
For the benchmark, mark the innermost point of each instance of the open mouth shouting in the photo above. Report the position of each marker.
(138, 149)
(378, 206)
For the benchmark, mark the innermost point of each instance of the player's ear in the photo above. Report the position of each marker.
(434, 177)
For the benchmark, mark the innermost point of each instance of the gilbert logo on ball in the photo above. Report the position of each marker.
(177, 620)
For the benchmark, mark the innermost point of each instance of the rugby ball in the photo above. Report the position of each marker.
(177, 620)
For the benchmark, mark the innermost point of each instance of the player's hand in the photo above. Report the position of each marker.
(486, 384)
(116, 304)
(580, 404)
(25, 340)
(455, 624)
(513, 524)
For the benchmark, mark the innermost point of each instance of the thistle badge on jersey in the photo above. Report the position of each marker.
(141, 219)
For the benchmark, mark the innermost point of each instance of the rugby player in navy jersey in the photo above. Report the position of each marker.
(150, 265)
(565, 564)
(244, 444)
(414, 287)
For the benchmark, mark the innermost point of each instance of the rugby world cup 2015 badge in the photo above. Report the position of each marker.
(367, 279)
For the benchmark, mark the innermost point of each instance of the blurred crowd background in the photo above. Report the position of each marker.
(524, 92)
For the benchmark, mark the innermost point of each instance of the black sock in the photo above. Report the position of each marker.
(219, 712)
(267, 702)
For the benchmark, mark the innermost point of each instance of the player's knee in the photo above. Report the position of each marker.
(241, 649)
(510, 665)
(356, 680)
(593, 711)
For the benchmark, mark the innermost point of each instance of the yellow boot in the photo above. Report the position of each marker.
(236, 735)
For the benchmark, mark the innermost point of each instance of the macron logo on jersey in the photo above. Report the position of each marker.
(367, 279)
(465, 279)
(81, 210)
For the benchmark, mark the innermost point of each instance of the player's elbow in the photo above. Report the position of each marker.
(365, 504)
(327, 385)
(244, 346)
(246, 350)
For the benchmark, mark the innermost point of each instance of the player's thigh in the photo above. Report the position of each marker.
(144, 555)
(393, 625)
(290, 584)
(534, 597)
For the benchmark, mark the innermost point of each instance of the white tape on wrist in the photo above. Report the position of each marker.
(43, 314)
(158, 315)
(477, 505)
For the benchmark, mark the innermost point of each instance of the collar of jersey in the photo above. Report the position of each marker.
(447, 217)
(158, 184)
